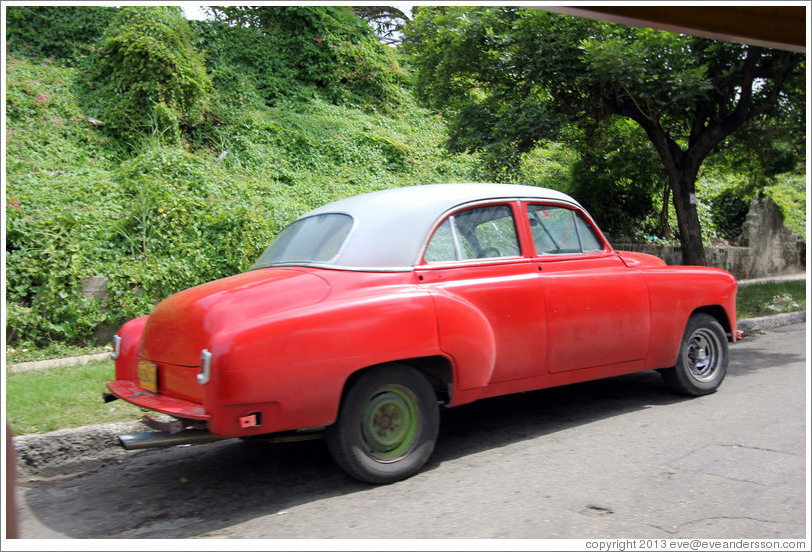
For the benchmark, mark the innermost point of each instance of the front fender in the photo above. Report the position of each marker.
(672, 305)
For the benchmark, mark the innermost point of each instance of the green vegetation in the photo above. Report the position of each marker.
(509, 78)
(146, 76)
(161, 154)
(156, 215)
(322, 52)
(765, 299)
(68, 33)
(59, 398)
(55, 349)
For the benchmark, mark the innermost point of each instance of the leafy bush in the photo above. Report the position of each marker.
(68, 34)
(729, 210)
(789, 192)
(617, 178)
(147, 76)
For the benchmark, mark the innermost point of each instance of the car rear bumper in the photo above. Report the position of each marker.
(129, 391)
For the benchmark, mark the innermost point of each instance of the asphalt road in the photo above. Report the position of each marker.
(619, 458)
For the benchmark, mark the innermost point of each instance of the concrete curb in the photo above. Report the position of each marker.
(56, 362)
(753, 325)
(774, 279)
(40, 451)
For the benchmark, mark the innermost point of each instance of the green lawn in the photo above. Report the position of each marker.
(38, 401)
(756, 300)
(57, 398)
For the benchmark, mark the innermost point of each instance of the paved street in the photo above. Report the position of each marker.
(620, 458)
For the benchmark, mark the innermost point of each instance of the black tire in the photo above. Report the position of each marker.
(703, 358)
(387, 425)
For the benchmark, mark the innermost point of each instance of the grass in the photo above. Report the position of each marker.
(59, 398)
(765, 299)
(39, 401)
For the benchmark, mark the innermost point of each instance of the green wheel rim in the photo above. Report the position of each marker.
(390, 423)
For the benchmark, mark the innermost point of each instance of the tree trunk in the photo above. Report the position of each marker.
(690, 231)
(682, 168)
(665, 228)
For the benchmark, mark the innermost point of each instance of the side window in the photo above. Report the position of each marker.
(478, 233)
(558, 230)
(589, 241)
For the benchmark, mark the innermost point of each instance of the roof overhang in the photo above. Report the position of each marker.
(774, 26)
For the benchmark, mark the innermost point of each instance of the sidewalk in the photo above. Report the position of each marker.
(56, 362)
(776, 278)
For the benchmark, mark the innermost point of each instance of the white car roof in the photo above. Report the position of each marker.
(391, 226)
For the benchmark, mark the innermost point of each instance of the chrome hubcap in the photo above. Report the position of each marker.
(702, 354)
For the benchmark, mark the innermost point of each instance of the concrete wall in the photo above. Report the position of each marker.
(767, 247)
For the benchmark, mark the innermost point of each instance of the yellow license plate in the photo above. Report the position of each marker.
(148, 376)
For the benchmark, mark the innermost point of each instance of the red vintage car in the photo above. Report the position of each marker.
(366, 315)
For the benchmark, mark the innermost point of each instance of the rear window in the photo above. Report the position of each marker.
(316, 239)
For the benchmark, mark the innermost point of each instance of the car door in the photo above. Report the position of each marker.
(487, 293)
(596, 307)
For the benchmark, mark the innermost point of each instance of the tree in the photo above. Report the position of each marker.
(687, 94)
(324, 51)
(388, 22)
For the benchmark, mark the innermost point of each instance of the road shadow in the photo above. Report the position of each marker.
(184, 492)
(747, 357)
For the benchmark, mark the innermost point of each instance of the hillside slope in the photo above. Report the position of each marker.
(162, 218)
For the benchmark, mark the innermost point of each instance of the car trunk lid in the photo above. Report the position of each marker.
(186, 323)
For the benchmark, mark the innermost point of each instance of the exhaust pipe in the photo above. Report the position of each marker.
(154, 439)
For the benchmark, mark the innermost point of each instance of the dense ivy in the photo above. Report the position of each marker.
(147, 76)
(66, 34)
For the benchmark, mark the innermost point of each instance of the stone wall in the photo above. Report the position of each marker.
(767, 247)
(774, 248)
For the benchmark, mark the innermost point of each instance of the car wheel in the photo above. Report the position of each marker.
(387, 425)
(703, 358)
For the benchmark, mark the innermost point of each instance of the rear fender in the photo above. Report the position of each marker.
(465, 336)
(303, 360)
(127, 360)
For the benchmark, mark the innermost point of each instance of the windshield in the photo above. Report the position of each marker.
(315, 239)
